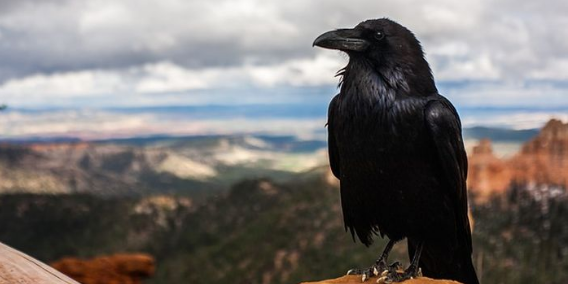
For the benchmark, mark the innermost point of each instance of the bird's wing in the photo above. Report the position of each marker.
(332, 146)
(445, 129)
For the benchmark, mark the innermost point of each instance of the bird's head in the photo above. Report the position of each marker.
(388, 47)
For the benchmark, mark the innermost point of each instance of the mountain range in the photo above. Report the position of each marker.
(152, 165)
(192, 165)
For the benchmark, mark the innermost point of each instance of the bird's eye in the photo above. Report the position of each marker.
(379, 35)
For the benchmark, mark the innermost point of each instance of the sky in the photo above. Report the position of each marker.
(99, 54)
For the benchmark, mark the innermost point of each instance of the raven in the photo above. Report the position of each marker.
(396, 146)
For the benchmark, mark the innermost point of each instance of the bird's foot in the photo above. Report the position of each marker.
(379, 268)
(396, 274)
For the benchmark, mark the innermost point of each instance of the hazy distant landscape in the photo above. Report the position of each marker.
(165, 164)
(303, 115)
(260, 208)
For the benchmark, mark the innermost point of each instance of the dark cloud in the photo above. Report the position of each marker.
(9, 6)
(501, 39)
(48, 37)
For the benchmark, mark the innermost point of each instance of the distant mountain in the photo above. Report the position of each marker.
(499, 134)
(190, 165)
(478, 132)
(89, 168)
(39, 139)
(194, 165)
(287, 143)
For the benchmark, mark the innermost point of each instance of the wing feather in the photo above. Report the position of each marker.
(445, 129)
(334, 162)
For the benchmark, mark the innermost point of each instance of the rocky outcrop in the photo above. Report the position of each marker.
(541, 161)
(544, 160)
(114, 269)
(487, 173)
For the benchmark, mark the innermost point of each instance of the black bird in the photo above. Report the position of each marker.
(396, 146)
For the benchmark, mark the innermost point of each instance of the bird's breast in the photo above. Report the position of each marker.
(379, 136)
(379, 121)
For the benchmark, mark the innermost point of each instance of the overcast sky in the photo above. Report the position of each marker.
(65, 51)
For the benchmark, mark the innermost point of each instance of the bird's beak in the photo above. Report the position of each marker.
(342, 39)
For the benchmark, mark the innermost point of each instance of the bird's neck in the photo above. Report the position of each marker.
(361, 82)
(387, 82)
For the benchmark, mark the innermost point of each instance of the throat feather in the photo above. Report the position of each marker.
(367, 88)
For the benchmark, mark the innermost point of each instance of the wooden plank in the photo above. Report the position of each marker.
(18, 267)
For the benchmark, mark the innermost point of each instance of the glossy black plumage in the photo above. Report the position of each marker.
(396, 146)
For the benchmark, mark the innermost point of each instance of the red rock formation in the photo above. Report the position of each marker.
(114, 269)
(487, 173)
(544, 160)
(541, 161)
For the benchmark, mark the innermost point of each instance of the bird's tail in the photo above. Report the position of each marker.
(437, 261)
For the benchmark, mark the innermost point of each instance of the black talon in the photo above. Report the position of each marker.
(396, 266)
(377, 268)
(357, 271)
(413, 271)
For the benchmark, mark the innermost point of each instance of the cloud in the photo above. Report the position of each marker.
(539, 94)
(73, 49)
(90, 34)
(163, 77)
(100, 124)
(60, 36)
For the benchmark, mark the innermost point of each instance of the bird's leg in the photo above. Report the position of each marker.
(413, 271)
(378, 267)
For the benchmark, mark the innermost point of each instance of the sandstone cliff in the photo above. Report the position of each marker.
(488, 174)
(541, 161)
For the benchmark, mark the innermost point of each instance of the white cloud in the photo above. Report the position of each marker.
(298, 72)
(72, 49)
(165, 77)
(68, 84)
(557, 68)
(463, 67)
